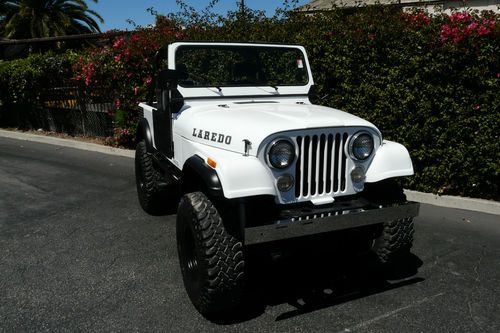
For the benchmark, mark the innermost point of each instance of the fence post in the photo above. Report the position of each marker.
(82, 102)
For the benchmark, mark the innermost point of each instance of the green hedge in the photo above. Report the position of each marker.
(431, 83)
(21, 78)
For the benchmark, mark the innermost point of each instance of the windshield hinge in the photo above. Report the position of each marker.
(248, 145)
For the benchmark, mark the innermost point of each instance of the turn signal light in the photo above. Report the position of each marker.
(211, 162)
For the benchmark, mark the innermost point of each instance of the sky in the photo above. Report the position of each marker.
(116, 12)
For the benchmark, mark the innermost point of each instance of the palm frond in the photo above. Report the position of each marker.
(46, 18)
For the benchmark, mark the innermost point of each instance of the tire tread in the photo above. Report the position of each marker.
(222, 257)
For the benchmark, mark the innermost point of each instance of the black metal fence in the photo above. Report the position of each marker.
(68, 108)
(71, 109)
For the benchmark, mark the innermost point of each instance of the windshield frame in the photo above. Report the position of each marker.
(242, 90)
(241, 48)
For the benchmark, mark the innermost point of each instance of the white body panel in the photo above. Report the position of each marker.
(147, 111)
(240, 176)
(255, 122)
(391, 160)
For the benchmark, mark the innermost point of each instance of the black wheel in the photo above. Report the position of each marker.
(395, 238)
(211, 260)
(147, 180)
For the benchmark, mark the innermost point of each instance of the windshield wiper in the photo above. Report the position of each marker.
(262, 84)
(275, 86)
(204, 79)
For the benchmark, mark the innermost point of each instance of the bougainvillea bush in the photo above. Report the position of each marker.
(124, 70)
(429, 82)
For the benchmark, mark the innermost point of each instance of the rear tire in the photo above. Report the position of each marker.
(211, 260)
(396, 237)
(147, 179)
(395, 242)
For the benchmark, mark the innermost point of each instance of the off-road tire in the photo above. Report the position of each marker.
(211, 260)
(147, 179)
(395, 242)
(396, 237)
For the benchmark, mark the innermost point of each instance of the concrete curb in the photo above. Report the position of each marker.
(478, 205)
(67, 143)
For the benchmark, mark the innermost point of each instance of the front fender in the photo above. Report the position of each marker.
(391, 160)
(205, 172)
(240, 176)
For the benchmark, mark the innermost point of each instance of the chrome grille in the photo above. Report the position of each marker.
(321, 164)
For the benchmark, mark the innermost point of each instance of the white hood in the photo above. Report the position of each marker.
(227, 125)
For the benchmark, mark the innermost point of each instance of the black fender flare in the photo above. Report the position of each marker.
(195, 164)
(144, 133)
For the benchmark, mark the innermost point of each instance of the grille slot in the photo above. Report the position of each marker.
(321, 164)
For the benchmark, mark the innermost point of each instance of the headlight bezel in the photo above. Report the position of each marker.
(353, 140)
(273, 144)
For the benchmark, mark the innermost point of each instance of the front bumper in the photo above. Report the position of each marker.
(328, 220)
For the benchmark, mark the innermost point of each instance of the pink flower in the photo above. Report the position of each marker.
(445, 32)
(119, 43)
(455, 34)
(117, 103)
(136, 90)
(470, 28)
(179, 35)
(489, 23)
(118, 57)
(126, 53)
(483, 30)
(477, 107)
(147, 80)
(460, 17)
(418, 19)
(498, 75)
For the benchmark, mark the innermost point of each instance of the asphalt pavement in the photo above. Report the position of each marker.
(78, 254)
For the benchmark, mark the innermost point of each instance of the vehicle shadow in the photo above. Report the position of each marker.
(314, 277)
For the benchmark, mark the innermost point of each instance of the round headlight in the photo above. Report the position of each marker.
(361, 146)
(281, 154)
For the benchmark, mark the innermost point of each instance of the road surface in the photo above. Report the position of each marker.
(78, 254)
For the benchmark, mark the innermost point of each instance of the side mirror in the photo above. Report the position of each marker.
(313, 95)
(167, 78)
(328, 87)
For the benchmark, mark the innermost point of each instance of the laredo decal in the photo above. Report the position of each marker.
(212, 136)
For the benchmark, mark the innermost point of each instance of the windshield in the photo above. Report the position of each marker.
(230, 65)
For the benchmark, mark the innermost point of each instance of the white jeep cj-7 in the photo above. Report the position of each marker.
(234, 135)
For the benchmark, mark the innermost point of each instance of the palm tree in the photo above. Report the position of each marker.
(46, 18)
